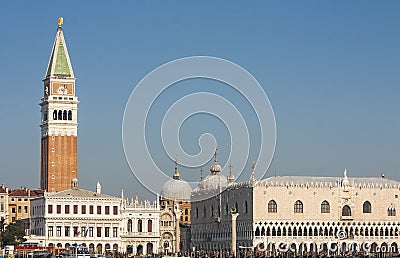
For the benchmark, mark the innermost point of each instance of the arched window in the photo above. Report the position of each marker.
(245, 207)
(197, 212)
(257, 233)
(226, 209)
(70, 115)
(236, 207)
(129, 226)
(55, 115)
(149, 225)
(212, 211)
(272, 207)
(391, 211)
(65, 115)
(346, 211)
(367, 207)
(59, 114)
(204, 211)
(325, 207)
(140, 225)
(186, 211)
(298, 207)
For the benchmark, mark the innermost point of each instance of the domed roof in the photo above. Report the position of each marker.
(213, 181)
(176, 188)
(215, 168)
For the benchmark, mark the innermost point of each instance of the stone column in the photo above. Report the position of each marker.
(178, 213)
(233, 244)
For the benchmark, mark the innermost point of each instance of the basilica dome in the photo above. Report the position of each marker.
(215, 179)
(176, 188)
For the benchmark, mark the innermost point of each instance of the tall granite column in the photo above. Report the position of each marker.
(233, 244)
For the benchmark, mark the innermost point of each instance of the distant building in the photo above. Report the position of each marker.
(312, 214)
(175, 215)
(59, 122)
(19, 203)
(92, 219)
(103, 223)
(3, 206)
(140, 232)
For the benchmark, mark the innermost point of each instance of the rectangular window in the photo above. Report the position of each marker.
(50, 209)
(75, 231)
(115, 232)
(91, 209)
(107, 210)
(58, 209)
(26, 209)
(13, 210)
(19, 209)
(83, 231)
(66, 231)
(83, 208)
(50, 231)
(115, 210)
(91, 231)
(1, 207)
(107, 232)
(98, 231)
(58, 231)
(75, 209)
(98, 209)
(66, 209)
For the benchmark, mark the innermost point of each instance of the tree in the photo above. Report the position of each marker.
(13, 235)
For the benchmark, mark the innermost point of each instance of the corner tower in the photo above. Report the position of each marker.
(59, 123)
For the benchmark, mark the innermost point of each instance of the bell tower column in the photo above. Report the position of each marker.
(59, 121)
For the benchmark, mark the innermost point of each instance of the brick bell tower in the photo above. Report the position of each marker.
(59, 125)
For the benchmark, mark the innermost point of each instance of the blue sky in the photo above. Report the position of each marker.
(330, 69)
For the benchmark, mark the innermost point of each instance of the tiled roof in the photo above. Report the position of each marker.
(26, 192)
(78, 193)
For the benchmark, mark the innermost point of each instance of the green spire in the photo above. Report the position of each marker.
(59, 63)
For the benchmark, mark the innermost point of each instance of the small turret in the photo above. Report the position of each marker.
(98, 188)
(176, 175)
(252, 177)
(215, 168)
(231, 177)
(74, 183)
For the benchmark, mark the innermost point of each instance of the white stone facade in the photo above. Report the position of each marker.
(3, 205)
(140, 233)
(309, 213)
(100, 222)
